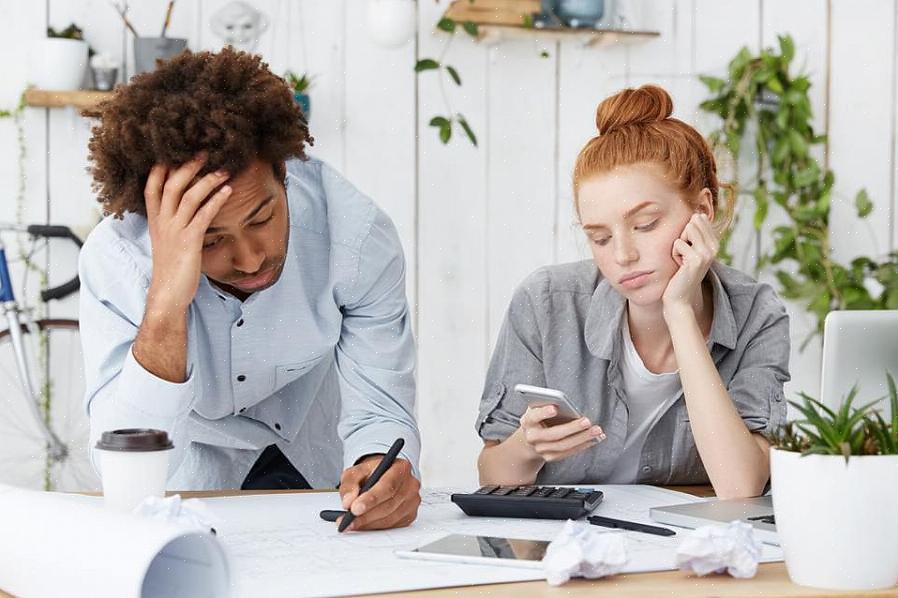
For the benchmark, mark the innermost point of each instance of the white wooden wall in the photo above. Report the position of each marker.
(475, 221)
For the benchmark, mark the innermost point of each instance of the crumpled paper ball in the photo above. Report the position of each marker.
(717, 549)
(191, 513)
(582, 550)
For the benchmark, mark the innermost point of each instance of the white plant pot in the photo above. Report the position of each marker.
(837, 522)
(58, 64)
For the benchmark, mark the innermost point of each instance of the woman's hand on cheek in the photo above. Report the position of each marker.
(694, 251)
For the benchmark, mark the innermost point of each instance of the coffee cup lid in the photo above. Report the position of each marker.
(134, 439)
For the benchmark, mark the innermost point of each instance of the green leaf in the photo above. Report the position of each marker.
(447, 25)
(444, 126)
(714, 84)
(467, 129)
(798, 143)
(784, 244)
(823, 204)
(774, 85)
(426, 64)
(787, 47)
(806, 176)
(446, 133)
(761, 206)
(471, 28)
(863, 203)
(454, 74)
(527, 21)
(892, 299)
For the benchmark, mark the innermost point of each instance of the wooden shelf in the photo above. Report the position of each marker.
(498, 20)
(494, 34)
(80, 99)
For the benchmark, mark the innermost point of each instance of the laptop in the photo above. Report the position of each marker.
(859, 347)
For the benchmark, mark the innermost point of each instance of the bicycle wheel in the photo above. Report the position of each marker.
(24, 461)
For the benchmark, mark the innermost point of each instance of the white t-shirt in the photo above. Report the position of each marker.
(649, 395)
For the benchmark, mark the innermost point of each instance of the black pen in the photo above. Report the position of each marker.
(630, 526)
(375, 476)
(329, 515)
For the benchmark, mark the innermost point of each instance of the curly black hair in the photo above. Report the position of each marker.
(227, 103)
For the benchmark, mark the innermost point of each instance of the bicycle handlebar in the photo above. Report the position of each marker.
(54, 232)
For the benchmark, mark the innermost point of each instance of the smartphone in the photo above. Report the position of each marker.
(537, 396)
(481, 550)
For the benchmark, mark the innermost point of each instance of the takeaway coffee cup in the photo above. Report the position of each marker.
(134, 464)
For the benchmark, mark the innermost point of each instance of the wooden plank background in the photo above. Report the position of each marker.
(475, 221)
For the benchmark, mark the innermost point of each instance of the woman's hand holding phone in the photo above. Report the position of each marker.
(554, 443)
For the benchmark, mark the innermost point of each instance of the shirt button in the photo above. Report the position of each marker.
(241, 378)
(242, 409)
(240, 322)
(277, 426)
(646, 469)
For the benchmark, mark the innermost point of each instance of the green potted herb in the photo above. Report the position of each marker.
(300, 84)
(834, 475)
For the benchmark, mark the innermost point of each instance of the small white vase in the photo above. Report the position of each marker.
(391, 23)
(58, 64)
(837, 522)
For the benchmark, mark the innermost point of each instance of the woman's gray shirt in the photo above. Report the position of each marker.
(562, 331)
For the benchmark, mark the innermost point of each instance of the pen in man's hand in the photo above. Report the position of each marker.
(375, 476)
(329, 515)
(630, 526)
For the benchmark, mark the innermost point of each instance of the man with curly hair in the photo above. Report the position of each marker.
(242, 296)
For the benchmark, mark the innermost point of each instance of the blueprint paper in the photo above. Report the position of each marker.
(280, 547)
(56, 545)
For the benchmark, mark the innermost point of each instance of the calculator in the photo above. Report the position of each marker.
(532, 502)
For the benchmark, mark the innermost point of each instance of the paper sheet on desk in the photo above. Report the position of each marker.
(62, 545)
(280, 547)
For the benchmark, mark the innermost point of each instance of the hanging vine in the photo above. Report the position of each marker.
(762, 94)
(25, 257)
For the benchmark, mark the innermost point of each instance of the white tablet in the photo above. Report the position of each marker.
(482, 550)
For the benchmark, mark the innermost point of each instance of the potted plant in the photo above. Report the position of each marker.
(60, 61)
(764, 106)
(834, 476)
(300, 84)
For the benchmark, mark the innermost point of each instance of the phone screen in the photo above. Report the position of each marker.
(487, 547)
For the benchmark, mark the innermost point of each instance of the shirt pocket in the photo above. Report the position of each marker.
(290, 372)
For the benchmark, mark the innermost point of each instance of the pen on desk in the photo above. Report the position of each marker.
(630, 526)
(375, 476)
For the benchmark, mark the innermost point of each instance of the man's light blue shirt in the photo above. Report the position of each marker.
(320, 364)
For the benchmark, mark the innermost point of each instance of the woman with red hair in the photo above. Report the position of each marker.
(675, 361)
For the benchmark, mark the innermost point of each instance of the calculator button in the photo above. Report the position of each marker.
(524, 491)
(593, 496)
(544, 491)
(560, 493)
(486, 489)
(503, 490)
(576, 495)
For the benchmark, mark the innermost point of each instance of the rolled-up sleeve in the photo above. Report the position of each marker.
(517, 359)
(757, 386)
(119, 392)
(375, 355)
